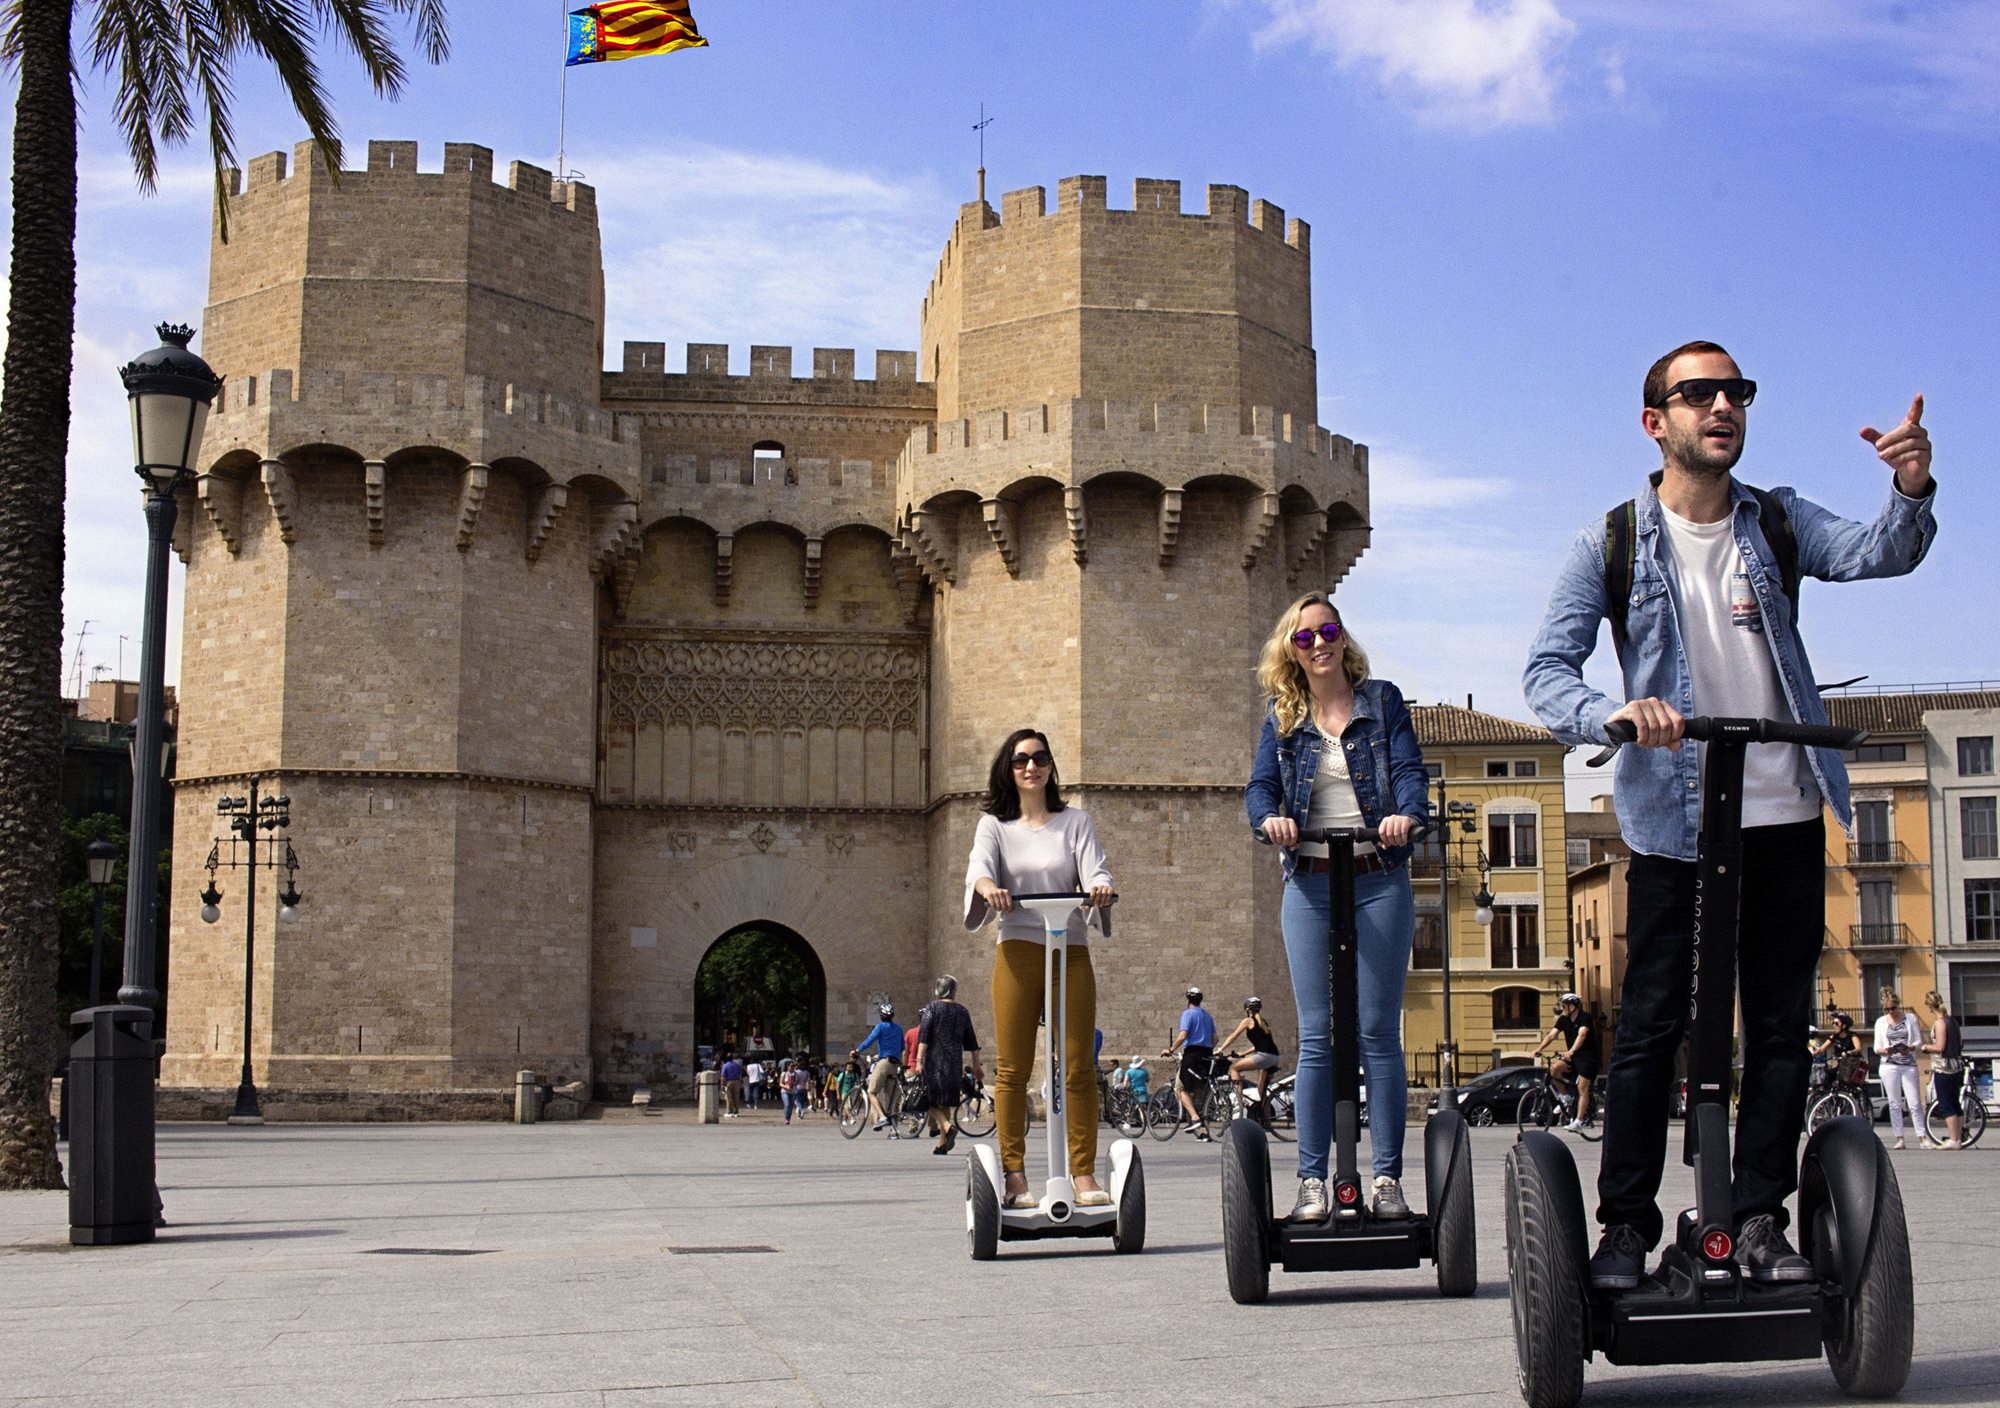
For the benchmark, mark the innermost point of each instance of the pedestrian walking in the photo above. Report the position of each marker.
(944, 1039)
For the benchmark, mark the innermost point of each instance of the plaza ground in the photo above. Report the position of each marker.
(630, 1261)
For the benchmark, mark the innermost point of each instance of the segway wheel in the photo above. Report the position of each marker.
(1456, 1238)
(982, 1213)
(1128, 1234)
(1246, 1212)
(1874, 1333)
(1547, 1297)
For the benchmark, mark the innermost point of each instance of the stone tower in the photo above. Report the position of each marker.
(411, 504)
(1124, 486)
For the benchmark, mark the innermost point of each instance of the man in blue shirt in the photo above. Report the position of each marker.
(887, 1040)
(732, 1086)
(1710, 630)
(1196, 1043)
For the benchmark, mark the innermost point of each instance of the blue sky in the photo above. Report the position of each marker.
(1516, 205)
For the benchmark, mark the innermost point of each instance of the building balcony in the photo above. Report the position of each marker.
(1879, 937)
(1872, 853)
(1424, 867)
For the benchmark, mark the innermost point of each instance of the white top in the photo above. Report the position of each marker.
(1888, 1033)
(1730, 663)
(1061, 856)
(1333, 801)
(754, 1073)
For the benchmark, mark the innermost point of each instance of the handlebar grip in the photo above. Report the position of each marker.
(1702, 728)
(1372, 834)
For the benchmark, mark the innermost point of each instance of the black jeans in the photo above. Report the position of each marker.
(1782, 925)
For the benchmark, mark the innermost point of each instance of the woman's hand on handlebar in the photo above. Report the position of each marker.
(1657, 723)
(1395, 830)
(999, 899)
(1281, 831)
(1100, 896)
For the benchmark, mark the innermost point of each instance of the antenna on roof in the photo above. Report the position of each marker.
(980, 127)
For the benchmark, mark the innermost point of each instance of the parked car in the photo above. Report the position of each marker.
(1495, 1097)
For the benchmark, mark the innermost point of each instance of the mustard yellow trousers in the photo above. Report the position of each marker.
(1017, 1009)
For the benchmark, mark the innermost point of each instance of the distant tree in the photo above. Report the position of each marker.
(172, 62)
(754, 981)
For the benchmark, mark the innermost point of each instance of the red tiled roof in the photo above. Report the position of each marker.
(1901, 713)
(1441, 724)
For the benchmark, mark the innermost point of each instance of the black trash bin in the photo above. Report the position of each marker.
(111, 1198)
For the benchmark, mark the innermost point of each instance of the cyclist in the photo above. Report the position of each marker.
(1835, 1048)
(1262, 1056)
(1196, 1043)
(1578, 1063)
(1701, 604)
(887, 1040)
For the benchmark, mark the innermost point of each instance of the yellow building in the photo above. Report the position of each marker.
(1502, 782)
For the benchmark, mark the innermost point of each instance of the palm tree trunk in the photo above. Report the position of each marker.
(34, 436)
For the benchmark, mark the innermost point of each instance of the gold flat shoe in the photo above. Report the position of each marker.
(1021, 1201)
(1095, 1198)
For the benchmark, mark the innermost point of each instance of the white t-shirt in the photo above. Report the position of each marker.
(1888, 1033)
(1333, 804)
(1730, 664)
(1061, 856)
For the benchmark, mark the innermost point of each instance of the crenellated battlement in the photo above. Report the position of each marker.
(770, 376)
(398, 161)
(285, 391)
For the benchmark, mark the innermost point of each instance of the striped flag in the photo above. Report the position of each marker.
(625, 29)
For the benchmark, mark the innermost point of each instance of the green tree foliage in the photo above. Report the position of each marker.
(754, 981)
(73, 907)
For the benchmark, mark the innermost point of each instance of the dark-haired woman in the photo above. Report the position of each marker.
(1339, 750)
(1029, 841)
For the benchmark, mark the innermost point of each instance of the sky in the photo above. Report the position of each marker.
(1516, 206)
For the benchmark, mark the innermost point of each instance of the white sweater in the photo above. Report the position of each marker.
(1061, 856)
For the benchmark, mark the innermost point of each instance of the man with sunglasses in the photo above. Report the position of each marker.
(1707, 629)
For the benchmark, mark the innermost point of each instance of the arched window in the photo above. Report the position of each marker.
(1517, 1010)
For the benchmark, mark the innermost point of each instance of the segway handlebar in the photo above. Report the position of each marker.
(1703, 729)
(1083, 900)
(1372, 834)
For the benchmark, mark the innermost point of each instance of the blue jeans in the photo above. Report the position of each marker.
(1386, 915)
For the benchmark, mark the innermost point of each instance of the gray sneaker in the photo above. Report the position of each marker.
(1389, 1204)
(1312, 1205)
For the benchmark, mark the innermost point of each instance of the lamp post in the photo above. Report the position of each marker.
(1465, 817)
(245, 817)
(99, 858)
(114, 1196)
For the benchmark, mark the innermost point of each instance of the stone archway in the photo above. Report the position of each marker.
(760, 976)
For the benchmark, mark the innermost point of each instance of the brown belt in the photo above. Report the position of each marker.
(1363, 865)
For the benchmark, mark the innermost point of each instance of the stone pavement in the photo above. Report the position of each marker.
(638, 1261)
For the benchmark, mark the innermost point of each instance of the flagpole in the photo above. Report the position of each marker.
(562, 101)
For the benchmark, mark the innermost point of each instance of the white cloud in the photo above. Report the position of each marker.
(1402, 482)
(1462, 63)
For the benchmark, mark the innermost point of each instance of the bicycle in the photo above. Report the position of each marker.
(1839, 1094)
(1549, 1106)
(1120, 1109)
(975, 1110)
(1975, 1117)
(1163, 1112)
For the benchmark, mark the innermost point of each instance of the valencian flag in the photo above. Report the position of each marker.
(625, 29)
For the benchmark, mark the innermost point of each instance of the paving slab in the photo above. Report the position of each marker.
(626, 1262)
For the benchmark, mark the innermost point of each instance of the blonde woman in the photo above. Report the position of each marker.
(1339, 750)
(1947, 1068)
(1898, 1039)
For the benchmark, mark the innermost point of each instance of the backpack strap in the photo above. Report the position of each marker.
(1776, 526)
(1621, 529)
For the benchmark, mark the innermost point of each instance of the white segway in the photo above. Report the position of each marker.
(1123, 1220)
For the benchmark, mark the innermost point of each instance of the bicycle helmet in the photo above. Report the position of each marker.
(1253, 1004)
(887, 1009)
(1569, 997)
(1194, 994)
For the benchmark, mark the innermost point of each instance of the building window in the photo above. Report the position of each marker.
(1982, 911)
(1876, 753)
(1576, 854)
(1976, 827)
(1878, 912)
(1975, 994)
(768, 463)
(1428, 950)
(1517, 1010)
(1510, 840)
(1871, 832)
(1496, 767)
(1525, 767)
(1434, 771)
(1975, 756)
(1516, 936)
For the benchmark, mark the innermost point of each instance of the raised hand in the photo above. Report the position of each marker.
(1906, 449)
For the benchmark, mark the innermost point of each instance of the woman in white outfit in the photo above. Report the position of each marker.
(1898, 1038)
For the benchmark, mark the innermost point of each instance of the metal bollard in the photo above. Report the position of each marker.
(708, 1097)
(527, 1097)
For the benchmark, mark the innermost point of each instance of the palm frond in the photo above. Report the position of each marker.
(134, 40)
(359, 23)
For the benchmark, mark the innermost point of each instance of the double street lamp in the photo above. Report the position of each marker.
(245, 817)
(113, 1192)
(1465, 817)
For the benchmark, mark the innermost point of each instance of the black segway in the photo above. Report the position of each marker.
(1352, 1239)
(1695, 1307)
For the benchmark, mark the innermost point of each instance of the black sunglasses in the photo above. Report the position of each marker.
(1701, 391)
(1307, 636)
(1031, 760)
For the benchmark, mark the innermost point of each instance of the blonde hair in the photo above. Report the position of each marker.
(1891, 998)
(1281, 676)
(1935, 1002)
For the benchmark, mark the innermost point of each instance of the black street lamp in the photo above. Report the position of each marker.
(114, 1196)
(246, 816)
(1465, 817)
(99, 859)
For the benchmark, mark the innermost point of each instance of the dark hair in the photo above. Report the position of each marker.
(1003, 797)
(1656, 375)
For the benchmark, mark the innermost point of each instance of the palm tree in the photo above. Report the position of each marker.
(172, 62)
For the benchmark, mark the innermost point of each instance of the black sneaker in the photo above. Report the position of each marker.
(1765, 1255)
(1620, 1260)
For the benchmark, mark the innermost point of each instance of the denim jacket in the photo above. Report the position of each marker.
(1383, 760)
(1659, 792)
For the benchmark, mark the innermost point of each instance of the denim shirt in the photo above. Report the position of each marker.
(1659, 792)
(1383, 760)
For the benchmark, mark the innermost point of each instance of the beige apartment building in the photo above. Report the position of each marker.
(1958, 750)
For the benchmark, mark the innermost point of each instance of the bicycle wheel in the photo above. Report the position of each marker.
(1538, 1109)
(1975, 1122)
(1834, 1105)
(1163, 1115)
(853, 1112)
(1217, 1108)
(1593, 1124)
(975, 1114)
(1127, 1115)
(915, 1114)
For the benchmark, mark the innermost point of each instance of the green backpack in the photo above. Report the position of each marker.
(1621, 529)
